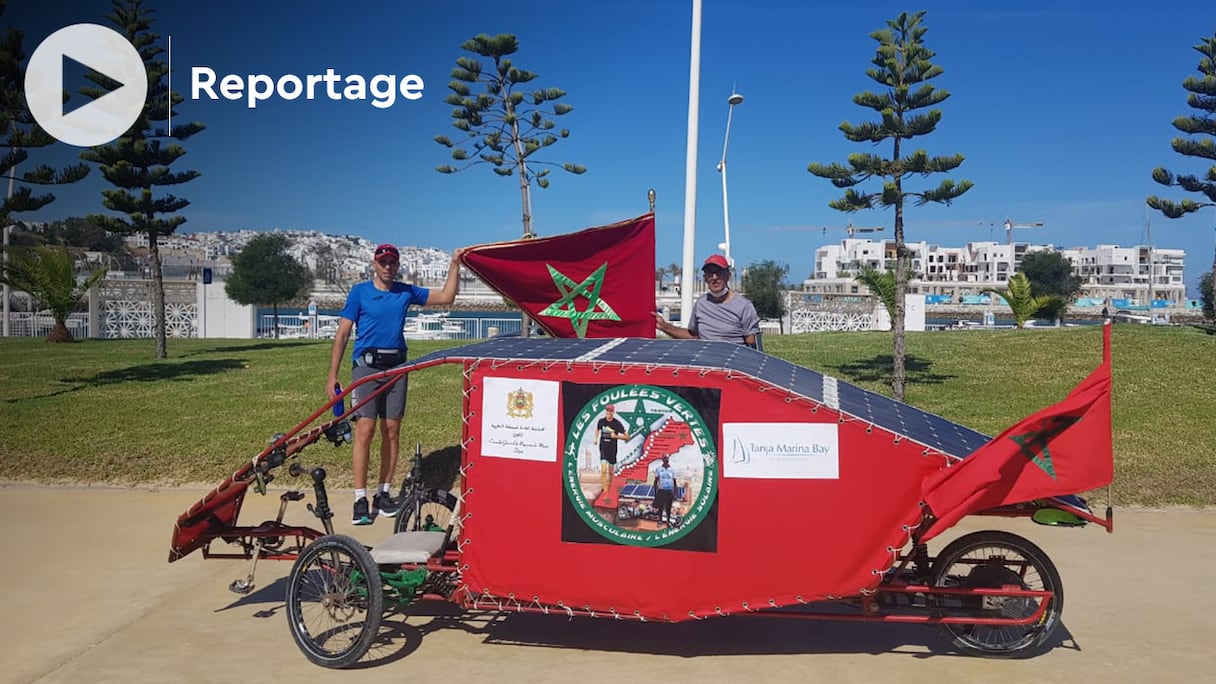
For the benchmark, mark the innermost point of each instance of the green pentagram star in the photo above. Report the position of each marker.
(639, 419)
(1033, 444)
(597, 309)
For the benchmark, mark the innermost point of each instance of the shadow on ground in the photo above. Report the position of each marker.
(403, 629)
(260, 346)
(878, 369)
(147, 372)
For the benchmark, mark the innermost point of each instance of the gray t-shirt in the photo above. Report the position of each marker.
(729, 321)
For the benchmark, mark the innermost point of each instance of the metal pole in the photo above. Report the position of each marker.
(690, 166)
(735, 99)
(725, 214)
(4, 330)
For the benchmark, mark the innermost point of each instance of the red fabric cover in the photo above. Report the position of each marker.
(212, 514)
(779, 542)
(1063, 449)
(598, 282)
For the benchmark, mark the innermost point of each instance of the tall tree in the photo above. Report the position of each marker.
(1051, 275)
(1207, 295)
(764, 285)
(1200, 141)
(902, 67)
(48, 274)
(19, 133)
(263, 273)
(137, 163)
(503, 126)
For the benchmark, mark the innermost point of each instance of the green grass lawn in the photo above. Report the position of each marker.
(104, 411)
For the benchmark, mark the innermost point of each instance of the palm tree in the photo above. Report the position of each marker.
(881, 284)
(49, 276)
(1018, 297)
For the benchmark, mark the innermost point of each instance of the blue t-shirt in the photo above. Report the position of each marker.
(379, 316)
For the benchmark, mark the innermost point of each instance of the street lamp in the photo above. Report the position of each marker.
(734, 99)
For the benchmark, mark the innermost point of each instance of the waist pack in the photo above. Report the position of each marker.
(382, 358)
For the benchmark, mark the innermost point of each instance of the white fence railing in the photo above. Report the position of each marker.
(24, 324)
(423, 327)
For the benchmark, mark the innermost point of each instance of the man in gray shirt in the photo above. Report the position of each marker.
(720, 315)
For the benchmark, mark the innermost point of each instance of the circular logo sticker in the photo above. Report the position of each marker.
(640, 466)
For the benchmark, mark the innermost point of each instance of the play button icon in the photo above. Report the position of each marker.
(99, 121)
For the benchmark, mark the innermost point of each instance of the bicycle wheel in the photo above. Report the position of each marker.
(991, 560)
(334, 601)
(429, 510)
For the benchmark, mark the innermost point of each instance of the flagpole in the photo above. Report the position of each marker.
(4, 330)
(690, 168)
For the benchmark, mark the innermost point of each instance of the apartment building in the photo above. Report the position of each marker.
(1134, 275)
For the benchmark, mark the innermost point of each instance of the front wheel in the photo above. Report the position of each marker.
(991, 560)
(335, 601)
(429, 510)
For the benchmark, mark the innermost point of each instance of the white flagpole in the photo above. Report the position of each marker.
(690, 169)
(4, 329)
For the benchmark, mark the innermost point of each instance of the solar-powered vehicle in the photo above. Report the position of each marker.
(799, 496)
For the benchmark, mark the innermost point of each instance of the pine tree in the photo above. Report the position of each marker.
(903, 67)
(1200, 129)
(503, 126)
(138, 161)
(19, 133)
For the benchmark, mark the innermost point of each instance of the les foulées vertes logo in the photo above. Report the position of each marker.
(107, 52)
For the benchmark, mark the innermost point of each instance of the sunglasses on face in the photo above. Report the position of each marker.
(714, 273)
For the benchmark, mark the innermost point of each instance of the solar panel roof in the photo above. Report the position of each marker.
(899, 418)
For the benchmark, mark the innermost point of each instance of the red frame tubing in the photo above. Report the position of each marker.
(867, 612)
(219, 509)
(302, 536)
(1027, 509)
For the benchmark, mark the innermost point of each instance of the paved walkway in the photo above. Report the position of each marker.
(89, 597)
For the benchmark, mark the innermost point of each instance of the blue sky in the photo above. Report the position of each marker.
(1062, 109)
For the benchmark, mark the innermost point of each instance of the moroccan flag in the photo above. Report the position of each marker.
(1063, 449)
(598, 282)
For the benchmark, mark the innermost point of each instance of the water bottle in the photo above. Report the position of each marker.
(340, 407)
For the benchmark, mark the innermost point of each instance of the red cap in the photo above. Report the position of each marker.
(609, 407)
(715, 261)
(387, 250)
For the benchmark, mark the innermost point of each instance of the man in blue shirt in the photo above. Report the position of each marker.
(665, 490)
(377, 309)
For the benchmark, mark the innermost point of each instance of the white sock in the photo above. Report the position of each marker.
(360, 494)
(386, 487)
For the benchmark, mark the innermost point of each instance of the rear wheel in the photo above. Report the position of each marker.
(427, 511)
(334, 601)
(992, 560)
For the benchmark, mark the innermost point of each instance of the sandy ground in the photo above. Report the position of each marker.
(89, 597)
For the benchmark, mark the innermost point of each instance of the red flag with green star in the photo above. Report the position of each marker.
(1063, 449)
(598, 282)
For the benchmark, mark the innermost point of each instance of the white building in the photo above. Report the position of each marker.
(1109, 273)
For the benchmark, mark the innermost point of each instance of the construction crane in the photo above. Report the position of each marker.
(850, 229)
(1010, 225)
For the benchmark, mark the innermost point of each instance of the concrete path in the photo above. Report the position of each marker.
(89, 597)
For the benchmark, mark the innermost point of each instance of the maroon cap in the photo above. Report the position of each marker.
(609, 407)
(387, 250)
(715, 261)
